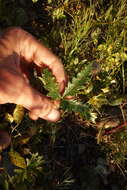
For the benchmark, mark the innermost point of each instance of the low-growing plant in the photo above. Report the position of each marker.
(26, 175)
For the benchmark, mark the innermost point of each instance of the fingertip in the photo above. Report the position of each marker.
(61, 87)
(33, 116)
(52, 116)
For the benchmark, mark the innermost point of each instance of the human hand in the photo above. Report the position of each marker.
(18, 46)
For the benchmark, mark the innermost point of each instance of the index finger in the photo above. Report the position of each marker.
(31, 50)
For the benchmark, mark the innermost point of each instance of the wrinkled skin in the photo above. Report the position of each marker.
(16, 47)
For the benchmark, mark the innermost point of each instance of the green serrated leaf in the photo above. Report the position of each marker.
(50, 84)
(75, 106)
(17, 159)
(78, 83)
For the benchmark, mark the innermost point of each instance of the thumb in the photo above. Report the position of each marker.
(38, 105)
(14, 88)
(52, 116)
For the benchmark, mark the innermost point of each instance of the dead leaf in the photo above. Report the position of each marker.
(17, 159)
(18, 114)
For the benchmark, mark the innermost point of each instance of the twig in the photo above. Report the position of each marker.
(122, 111)
(115, 129)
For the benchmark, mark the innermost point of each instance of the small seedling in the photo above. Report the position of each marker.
(74, 87)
